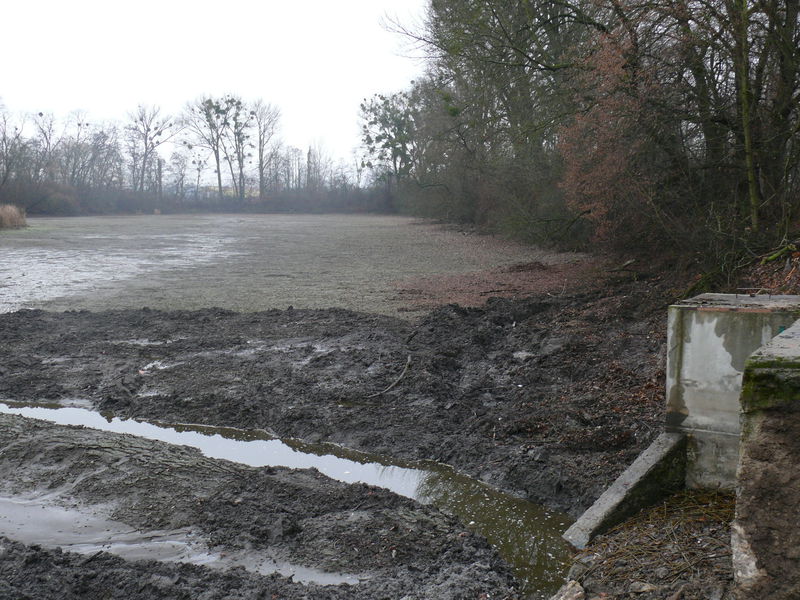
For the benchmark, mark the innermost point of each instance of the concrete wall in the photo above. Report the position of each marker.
(766, 530)
(733, 418)
(709, 339)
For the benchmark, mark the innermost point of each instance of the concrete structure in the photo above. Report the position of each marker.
(657, 472)
(766, 530)
(709, 339)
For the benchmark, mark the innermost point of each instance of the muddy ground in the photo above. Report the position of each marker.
(239, 262)
(395, 547)
(549, 397)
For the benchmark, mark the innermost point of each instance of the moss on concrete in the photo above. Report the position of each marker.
(769, 388)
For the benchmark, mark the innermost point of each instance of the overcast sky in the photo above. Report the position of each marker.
(315, 59)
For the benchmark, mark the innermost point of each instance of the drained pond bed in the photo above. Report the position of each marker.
(515, 396)
(351, 540)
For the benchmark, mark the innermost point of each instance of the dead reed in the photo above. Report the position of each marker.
(11, 217)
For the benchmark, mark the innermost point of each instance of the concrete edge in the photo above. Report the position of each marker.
(657, 472)
(771, 377)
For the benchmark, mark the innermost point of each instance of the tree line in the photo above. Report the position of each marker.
(219, 153)
(646, 124)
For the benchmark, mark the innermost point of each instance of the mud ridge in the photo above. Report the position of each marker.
(549, 397)
(395, 546)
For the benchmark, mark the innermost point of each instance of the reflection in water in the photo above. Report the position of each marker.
(36, 521)
(526, 535)
(47, 273)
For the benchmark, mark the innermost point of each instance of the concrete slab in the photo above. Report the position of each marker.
(657, 472)
(742, 303)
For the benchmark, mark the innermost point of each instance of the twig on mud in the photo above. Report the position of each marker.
(396, 381)
(89, 559)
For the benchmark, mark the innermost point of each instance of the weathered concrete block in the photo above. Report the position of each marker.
(657, 472)
(766, 530)
(709, 339)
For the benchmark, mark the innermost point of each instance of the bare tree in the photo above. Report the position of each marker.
(318, 168)
(236, 141)
(205, 121)
(147, 130)
(11, 147)
(199, 162)
(48, 142)
(266, 117)
(178, 167)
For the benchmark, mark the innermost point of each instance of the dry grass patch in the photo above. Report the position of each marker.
(11, 217)
(680, 547)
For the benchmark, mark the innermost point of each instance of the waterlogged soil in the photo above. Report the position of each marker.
(526, 536)
(548, 393)
(549, 397)
(382, 545)
(240, 262)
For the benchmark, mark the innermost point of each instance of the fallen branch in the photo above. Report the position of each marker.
(396, 381)
(787, 249)
(623, 267)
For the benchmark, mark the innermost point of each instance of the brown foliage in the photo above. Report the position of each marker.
(605, 149)
(11, 217)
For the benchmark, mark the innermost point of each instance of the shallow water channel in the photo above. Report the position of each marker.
(526, 535)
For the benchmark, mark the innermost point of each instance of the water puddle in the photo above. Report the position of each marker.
(51, 271)
(526, 535)
(38, 521)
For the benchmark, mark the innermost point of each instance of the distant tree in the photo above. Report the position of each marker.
(178, 168)
(266, 118)
(294, 168)
(75, 152)
(199, 162)
(236, 144)
(48, 142)
(387, 133)
(147, 129)
(319, 167)
(205, 122)
(12, 147)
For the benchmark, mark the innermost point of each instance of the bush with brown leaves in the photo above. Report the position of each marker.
(11, 217)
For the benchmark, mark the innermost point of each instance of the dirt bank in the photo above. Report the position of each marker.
(676, 550)
(392, 547)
